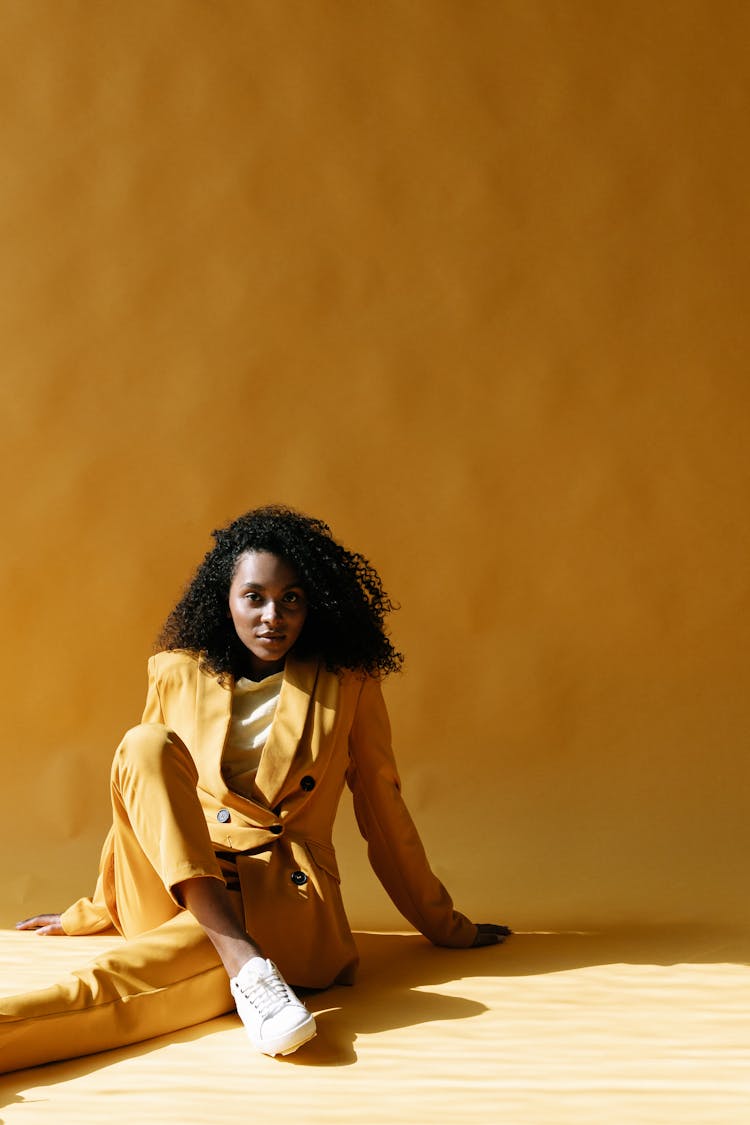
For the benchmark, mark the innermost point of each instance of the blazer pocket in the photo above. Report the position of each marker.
(324, 857)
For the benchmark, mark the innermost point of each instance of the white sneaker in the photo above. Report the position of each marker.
(276, 1021)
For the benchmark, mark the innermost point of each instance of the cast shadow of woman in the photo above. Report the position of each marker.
(392, 991)
(398, 971)
(399, 987)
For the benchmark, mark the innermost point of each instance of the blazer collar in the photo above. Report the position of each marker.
(305, 715)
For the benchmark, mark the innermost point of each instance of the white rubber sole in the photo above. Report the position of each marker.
(291, 1042)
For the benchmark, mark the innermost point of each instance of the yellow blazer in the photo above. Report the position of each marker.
(328, 729)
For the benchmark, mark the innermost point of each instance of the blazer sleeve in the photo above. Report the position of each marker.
(153, 711)
(90, 915)
(394, 848)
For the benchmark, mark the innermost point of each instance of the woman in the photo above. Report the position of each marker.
(264, 700)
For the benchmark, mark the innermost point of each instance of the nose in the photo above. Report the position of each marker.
(271, 612)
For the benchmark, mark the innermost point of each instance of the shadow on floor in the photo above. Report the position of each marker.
(397, 968)
(408, 958)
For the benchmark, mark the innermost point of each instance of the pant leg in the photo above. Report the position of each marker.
(167, 975)
(158, 982)
(160, 836)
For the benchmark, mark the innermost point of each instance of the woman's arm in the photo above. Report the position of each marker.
(91, 915)
(394, 848)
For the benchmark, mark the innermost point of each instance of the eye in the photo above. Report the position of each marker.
(291, 598)
(252, 596)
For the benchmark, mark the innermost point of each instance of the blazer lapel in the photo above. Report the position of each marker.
(297, 689)
(213, 711)
(300, 735)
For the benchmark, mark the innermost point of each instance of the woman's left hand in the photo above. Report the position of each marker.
(490, 934)
(44, 924)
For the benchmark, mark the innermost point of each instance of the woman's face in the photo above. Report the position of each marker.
(268, 608)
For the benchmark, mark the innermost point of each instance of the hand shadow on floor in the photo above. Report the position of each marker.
(393, 989)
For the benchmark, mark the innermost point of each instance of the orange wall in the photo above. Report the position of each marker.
(468, 280)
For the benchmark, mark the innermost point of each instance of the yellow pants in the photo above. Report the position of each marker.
(167, 975)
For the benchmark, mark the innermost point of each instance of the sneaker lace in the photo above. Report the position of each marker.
(267, 993)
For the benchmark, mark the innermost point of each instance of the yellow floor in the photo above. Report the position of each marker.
(555, 1029)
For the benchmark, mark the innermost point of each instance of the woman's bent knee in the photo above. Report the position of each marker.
(152, 749)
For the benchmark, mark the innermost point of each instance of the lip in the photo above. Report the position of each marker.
(271, 637)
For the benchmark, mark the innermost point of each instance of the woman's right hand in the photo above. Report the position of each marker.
(44, 924)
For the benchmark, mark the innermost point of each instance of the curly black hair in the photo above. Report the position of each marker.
(346, 600)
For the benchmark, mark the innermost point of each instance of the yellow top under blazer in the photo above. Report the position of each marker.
(328, 729)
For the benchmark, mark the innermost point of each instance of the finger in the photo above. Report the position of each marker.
(493, 928)
(51, 922)
(54, 925)
(487, 937)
